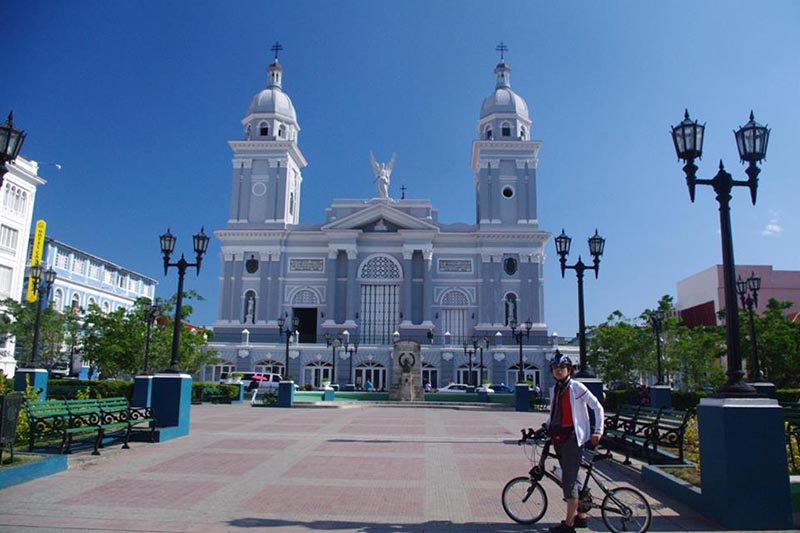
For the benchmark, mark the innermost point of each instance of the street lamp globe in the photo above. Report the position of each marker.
(751, 140)
(200, 241)
(688, 138)
(11, 140)
(36, 274)
(596, 244)
(754, 282)
(49, 276)
(563, 243)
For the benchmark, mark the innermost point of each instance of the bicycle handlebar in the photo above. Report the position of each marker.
(533, 434)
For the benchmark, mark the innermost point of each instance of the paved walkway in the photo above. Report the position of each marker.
(364, 469)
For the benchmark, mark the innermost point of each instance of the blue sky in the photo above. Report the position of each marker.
(137, 100)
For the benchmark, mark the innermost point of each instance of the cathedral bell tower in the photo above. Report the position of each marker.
(504, 158)
(267, 163)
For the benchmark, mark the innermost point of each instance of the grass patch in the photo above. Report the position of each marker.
(686, 473)
(19, 459)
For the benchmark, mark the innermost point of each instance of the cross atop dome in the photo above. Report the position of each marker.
(502, 48)
(276, 48)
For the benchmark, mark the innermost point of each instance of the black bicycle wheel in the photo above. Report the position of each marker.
(626, 509)
(524, 501)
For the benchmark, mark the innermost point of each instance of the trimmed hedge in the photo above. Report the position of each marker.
(202, 389)
(71, 388)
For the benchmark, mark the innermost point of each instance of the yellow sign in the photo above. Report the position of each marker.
(36, 255)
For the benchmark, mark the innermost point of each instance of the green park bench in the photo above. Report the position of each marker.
(646, 431)
(62, 422)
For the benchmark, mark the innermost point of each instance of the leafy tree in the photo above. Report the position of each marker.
(19, 319)
(778, 344)
(624, 349)
(618, 349)
(115, 342)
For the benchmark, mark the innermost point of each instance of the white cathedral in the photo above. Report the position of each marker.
(330, 299)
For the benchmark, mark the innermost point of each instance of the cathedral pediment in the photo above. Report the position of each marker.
(380, 218)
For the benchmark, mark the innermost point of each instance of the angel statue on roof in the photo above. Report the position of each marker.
(382, 173)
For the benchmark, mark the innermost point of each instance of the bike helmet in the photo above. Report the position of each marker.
(562, 359)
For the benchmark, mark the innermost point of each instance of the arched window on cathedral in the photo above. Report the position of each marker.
(281, 131)
(263, 129)
(511, 307)
(249, 315)
(455, 314)
(75, 306)
(488, 133)
(522, 133)
(506, 129)
(291, 203)
(380, 277)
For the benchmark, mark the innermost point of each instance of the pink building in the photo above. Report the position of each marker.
(701, 296)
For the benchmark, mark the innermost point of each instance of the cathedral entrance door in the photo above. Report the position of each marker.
(308, 323)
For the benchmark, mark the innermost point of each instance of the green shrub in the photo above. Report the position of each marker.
(201, 390)
(788, 395)
(77, 388)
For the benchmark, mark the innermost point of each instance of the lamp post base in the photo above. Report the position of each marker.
(37, 377)
(172, 403)
(735, 454)
(661, 396)
(522, 397)
(142, 391)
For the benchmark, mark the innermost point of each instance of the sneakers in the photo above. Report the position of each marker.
(562, 528)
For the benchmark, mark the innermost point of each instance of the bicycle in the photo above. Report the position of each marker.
(525, 500)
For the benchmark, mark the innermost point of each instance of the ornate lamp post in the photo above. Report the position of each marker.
(151, 313)
(469, 354)
(11, 140)
(596, 246)
(480, 344)
(288, 334)
(749, 300)
(43, 286)
(751, 141)
(333, 343)
(657, 319)
(200, 241)
(351, 349)
(518, 336)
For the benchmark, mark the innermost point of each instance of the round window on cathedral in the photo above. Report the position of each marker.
(251, 265)
(508, 192)
(510, 266)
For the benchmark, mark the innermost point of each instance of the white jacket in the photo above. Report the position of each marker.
(581, 400)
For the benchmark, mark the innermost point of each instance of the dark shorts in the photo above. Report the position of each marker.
(569, 456)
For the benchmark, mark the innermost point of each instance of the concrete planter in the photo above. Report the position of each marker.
(44, 466)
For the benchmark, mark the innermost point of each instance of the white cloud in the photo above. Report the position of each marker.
(772, 229)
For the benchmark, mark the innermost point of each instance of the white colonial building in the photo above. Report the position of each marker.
(380, 269)
(17, 197)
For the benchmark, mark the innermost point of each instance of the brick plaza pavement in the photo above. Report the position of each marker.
(365, 469)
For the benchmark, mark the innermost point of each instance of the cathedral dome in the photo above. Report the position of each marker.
(503, 99)
(273, 100)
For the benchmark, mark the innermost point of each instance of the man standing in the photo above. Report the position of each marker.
(570, 430)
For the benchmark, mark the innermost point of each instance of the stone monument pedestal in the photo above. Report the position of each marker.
(406, 373)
